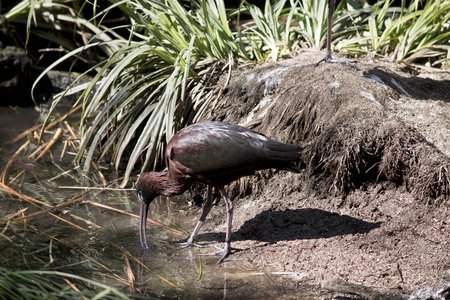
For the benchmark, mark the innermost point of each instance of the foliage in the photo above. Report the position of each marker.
(269, 34)
(61, 23)
(27, 268)
(163, 75)
(160, 70)
(312, 21)
(408, 34)
(38, 284)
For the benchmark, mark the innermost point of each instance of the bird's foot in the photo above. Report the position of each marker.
(328, 59)
(221, 252)
(324, 59)
(190, 243)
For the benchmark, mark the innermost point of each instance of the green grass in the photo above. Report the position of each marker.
(406, 34)
(28, 267)
(39, 284)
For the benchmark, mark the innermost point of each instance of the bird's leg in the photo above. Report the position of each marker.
(206, 209)
(227, 250)
(328, 58)
(229, 205)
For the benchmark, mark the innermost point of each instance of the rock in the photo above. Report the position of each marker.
(16, 77)
(61, 80)
(16, 73)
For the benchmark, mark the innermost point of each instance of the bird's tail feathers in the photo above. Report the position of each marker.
(283, 152)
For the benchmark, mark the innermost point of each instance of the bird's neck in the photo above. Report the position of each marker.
(170, 186)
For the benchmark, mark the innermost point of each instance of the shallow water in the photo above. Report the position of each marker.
(230, 280)
(15, 121)
(199, 277)
(96, 255)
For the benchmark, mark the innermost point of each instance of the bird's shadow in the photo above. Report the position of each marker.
(414, 86)
(305, 223)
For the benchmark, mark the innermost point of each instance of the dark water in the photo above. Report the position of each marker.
(15, 121)
(97, 250)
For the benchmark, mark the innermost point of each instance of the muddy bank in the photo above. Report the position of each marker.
(372, 204)
(348, 124)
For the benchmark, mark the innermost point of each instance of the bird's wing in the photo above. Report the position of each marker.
(215, 150)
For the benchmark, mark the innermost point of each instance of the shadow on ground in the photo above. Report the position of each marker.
(412, 86)
(305, 223)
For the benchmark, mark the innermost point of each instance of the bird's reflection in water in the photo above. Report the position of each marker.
(140, 285)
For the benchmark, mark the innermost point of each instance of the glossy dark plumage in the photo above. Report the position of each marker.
(216, 154)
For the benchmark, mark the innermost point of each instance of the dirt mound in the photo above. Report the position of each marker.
(342, 118)
(372, 205)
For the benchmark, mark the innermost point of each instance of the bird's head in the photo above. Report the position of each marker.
(148, 187)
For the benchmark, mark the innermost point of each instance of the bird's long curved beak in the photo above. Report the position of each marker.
(142, 223)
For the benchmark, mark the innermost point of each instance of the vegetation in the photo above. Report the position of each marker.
(158, 71)
(30, 261)
(45, 284)
(40, 259)
(406, 34)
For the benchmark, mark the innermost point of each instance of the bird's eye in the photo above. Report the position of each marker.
(139, 194)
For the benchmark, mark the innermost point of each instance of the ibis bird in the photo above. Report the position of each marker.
(215, 154)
